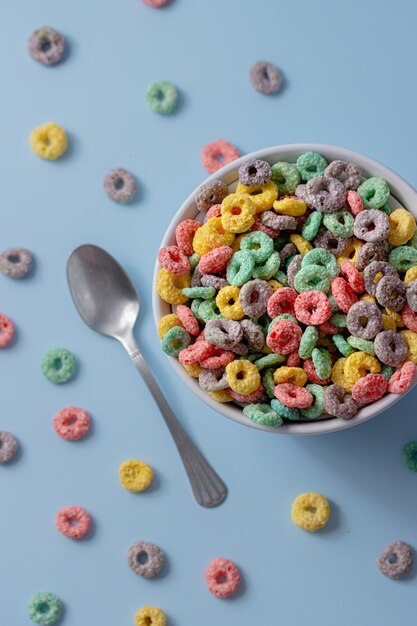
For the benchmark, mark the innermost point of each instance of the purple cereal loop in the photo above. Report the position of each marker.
(346, 172)
(371, 252)
(223, 333)
(278, 222)
(255, 172)
(332, 243)
(390, 292)
(196, 278)
(209, 280)
(213, 380)
(301, 192)
(293, 269)
(411, 295)
(241, 349)
(265, 77)
(396, 560)
(288, 250)
(371, 225)
(374, 268)
(253, 336)
(390, 348)
(339, 403)
(325, 194)
(211, 193)
(364, 320)
(254, 296)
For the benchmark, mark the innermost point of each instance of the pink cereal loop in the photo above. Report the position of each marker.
(217, 358)
(173, 259)
(217, 154)
(184, 234)
(156, 4)
(343, 294)
(312, 308)
(293, 396)
(215, 261)
(222, 577)
(353, 202)
(7, 331)
(409, 318)
(329, 329)
(353, 275)
(284, 337)
(293, 359)
(369, 388)
(257, 225)
(71, 423)
(281, 301)
(310, 370)
(252, 397)
(201, 349)
(73, 522)
(188, 320)
(403, 378)
(214, 211)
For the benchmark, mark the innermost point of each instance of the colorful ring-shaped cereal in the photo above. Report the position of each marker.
(217, 154)
(237, 213)
(402, 227)
(288, 374)
(263, 196)
(403, 258)
(254, 297)
(282, 301)
(286, 412)
(358, 365)
(355, 280)
(58, 365)
(343, 294)
(325, 194)
(227, 301)
(48, 141)
(396, 560)
(374, 271)
(336, 245)
(242, 398)
(150, 616)
(174, 260)
(243, 377)
(240, 267)
(268, 269)
(364, 320)
(259, 245)
(354, 202)
(255, 172)
(210, 194)
(213, 380)
(359, 344)
(339, 403)
(372, 225)
(145, 559)
(135, 475)
(169, 286)
(312, 307)
(323, 258)
(369, 389)
(322, 363)
(222, 577)
(8, 447)
(73, 522)
(46, 45)
(310, 511)
(403, 378)
(315, 410)
(253, 336)
(166, 322)
(340, 223)
(391, 293)
(162, 97)
(374, 192)
(45, 608)
(284, 337)
(215, 261)
(209, 310)
(368, 253)
(223, 333)
(293, 396)
(262, 414)
(311, 164)
(286, 177)
(188, 320)
(265, 77)
(120, 185)
(346, 172)
(312, 278)
(72, 423)
(16, 262)
(7, 331)
(175, 340)
(311, 226)
(184, 234)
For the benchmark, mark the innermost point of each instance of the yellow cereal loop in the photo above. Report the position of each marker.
(338, 375)
(395, 316)
(274, 284)
(194, 369)
(359, 364)
(402, 227)
(388, 322)
(410, 339)
(220, 396)
(310, 511)
(368, 298)
(169, 286)
(351, 252)
(243, 377)
(150, 616)
(294, 375)
(166, 323)
(263, 196)
(303, 246)
(135, 475)
(48, 141)
(410, 275)
(290, 205)
(211, 235)
(227, 301)
(236, 244)
(238, 212)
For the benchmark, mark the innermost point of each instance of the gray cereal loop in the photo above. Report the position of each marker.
(278, 222)
(293, 269)
(390, 292)
(120, 185)
(211, 193)
(334, 244)
(254, 296)
(8, 447)
(371, 252)
(209, 280)
(47, 46)
(16, 262)
(196, 278)
(396, 560)
(364, 320)
(371, 271)
(371, 225)
(255, 172)
(325, 194)
(390, 348)
(213, 380)
(223, 333)
(301, 192)
(411, 295)
(253, 336)
(339, 403)
(346, 172)
(265, 77)
(145, 559)
(288, 250)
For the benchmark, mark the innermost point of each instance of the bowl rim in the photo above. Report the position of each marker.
(401, 191)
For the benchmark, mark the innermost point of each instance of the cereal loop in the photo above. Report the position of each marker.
(72, 423)
(73, 522)
(310, 511)
(222, 577)
(48, 141)
(217, 154)
(150, 616)
(135, 475)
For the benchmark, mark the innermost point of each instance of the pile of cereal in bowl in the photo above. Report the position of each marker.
(295, 296)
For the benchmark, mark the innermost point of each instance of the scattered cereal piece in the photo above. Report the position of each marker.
(45, 608)
(396, 560)
(222, 577)
(8, 447)
(145, 559)
(49, 141)
(7, 331)
(72, 423)
(120, 185)
(217, 154)
(47, 46)
(162, 97)
(310, 511)
(16, 262)
(135, 475)
(150, 616)
(58, 365)
(73, 522)
(265, 77)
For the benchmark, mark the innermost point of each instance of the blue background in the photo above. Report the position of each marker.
(349, 70)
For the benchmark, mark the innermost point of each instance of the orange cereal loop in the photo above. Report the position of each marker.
(166, 323)
(169, 286)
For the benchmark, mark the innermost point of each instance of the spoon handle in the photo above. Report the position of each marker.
(209, 490)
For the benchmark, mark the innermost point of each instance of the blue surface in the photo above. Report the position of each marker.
(348, 70)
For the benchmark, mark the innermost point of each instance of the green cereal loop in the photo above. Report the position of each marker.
(58, 365)
(308, 342)
(251, 357)
(260, 246)
(340, 223)
(269, 360)
(45, 608)
(286, 177)
(203, 293)
(193, 259)
(240, 267)
(386, 208)
(280, 242)
(262, 414)
(316, 409)
(342, 345)
(312, 277)
(311, 226)
(195, 307)
(387, 371)
(403, 257)
(208, 310)
(269, 383)
(285, 411)
(322, 257)
(268, 269)
(162, 97)
(410, 455)
(282, 278)
(333, 303)
(374, 192)
(175, 340)
(282, 316)
(361, 344)
(338, 319)
(310, 165)
(322, 362)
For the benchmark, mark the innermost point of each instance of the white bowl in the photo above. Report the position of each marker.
(402, 194)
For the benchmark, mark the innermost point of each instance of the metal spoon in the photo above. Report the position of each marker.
(107, 301)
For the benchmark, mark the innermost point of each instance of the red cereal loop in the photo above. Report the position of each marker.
(217, 154)
(353, 202)
(257, 225)
(252, 397)
(281, 301)
(188, 320)
(222, 577)
(214, 211)
(403, 378)
(6, 331)
(293, 396)
(73, 522)
(409, 318)
(312, 308)
(215, 261)
(218, 358)
(293, 359)
(343, 294)
(184, 234)
(329, 329)
(72, 423)
(201, 349)
(310, 370)
(354, 277)
(284, 337)
(174, 260)
(369, 388)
